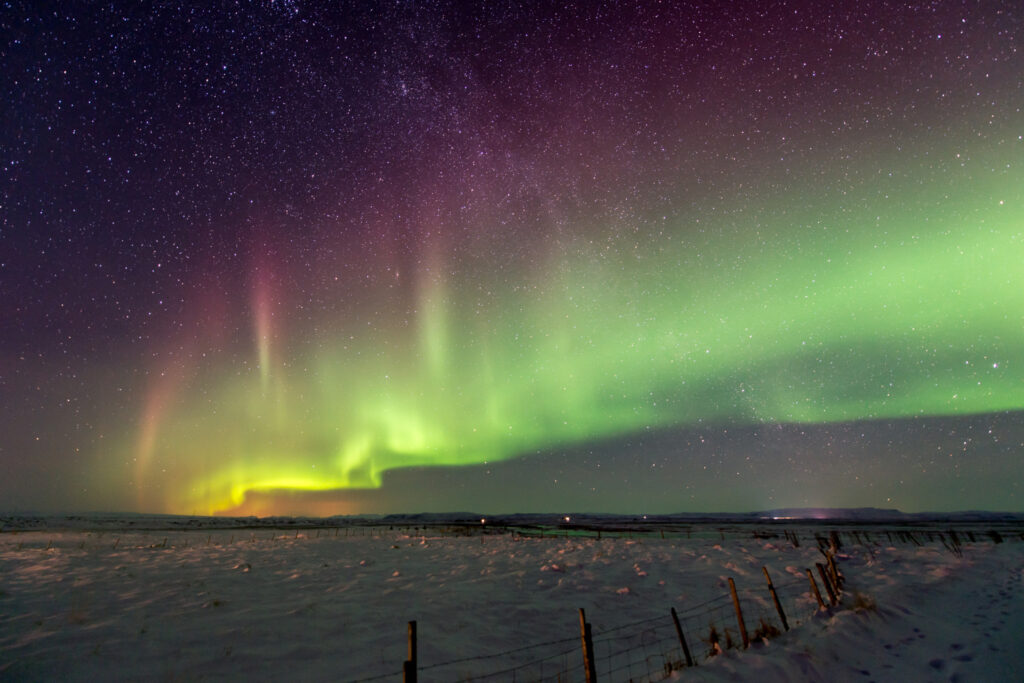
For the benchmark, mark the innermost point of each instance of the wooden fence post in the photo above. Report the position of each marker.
(837, 578)
(409, 665)
(682, 638)
(828, 584)
(739, 613)
(587, 637)
(814, 589)
(775, 599)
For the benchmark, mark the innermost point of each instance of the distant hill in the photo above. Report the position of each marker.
(93, 521)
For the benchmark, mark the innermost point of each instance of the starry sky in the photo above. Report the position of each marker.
(276, 257)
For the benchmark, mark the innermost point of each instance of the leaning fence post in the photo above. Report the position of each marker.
(739, 613)
(682, 638)
(775, 599)
(814, 588)
(588, 648)
(409, 665)
(828, 584)
(836, 577)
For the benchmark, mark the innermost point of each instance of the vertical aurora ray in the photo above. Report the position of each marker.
(868, 310)
(269, 258)
(262, 307)
(262, 333)
(157, 406)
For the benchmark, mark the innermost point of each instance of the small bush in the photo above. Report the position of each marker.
(766, 630)
(715, 647)
(729, 642)
(862, 603)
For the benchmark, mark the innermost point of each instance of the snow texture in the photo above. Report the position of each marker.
(106, 603)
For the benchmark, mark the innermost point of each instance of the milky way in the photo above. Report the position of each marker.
(287, 259)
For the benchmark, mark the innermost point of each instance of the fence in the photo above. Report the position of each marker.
(651, 649)
(648, 650)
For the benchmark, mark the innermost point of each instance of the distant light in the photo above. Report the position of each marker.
(483, 520)
(568, 518)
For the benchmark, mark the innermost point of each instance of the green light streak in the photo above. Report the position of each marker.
(874, 309)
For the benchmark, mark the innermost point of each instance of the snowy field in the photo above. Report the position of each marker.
(103, 603)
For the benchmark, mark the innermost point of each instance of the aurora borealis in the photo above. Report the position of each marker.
(277, 258)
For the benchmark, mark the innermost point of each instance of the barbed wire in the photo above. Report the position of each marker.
(392, 675)
(534, 663)
(500, 654)
(605, 631)
(649, 649)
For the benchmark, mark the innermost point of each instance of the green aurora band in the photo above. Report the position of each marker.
(890, 299)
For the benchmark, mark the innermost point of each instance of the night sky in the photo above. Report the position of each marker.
(276, 258)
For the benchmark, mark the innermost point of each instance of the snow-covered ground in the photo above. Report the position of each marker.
(333, 604)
